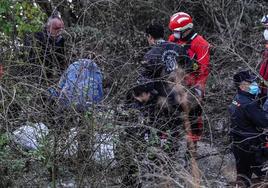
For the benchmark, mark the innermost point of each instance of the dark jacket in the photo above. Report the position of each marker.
(159, 61)
(247, 118)
(162, 118)
(47, 51)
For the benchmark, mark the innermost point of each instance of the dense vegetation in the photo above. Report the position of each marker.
(112, 32)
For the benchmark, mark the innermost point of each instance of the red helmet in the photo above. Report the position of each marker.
(180, 21)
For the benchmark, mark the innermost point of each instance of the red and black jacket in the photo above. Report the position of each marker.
(264, 69)
(198, 49)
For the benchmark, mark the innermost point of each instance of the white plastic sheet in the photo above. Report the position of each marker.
(71, 142)
(103, 147)
(29, 136)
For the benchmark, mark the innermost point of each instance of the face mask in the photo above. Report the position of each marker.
(265, 34)
(254, 89)
(177, 35)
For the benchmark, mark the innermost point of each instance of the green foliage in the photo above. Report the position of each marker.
(3, 141)
(43, 153)
(6, 156)
(18, 17)
(13, 164)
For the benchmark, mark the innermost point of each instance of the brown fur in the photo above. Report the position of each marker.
(183, 95)
(187, 101)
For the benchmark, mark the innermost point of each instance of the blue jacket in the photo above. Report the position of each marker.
(247, 117)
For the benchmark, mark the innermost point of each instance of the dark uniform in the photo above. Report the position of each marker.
(160, 60)
(165, 122)
(47, 52)
(247, 122)
(162, 124)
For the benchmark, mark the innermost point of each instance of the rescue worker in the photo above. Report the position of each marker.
(198, 50)
(264, 63)
(162, 56)
(161, 61)
(248, 120)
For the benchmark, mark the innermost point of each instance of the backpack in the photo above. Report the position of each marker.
(190, 63)
(81, 85)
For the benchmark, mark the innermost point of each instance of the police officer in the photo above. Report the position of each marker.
(160, 101)
(162, 57)
(248, 120)
(160, 61)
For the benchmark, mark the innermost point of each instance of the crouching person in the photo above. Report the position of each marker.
(78, 93)
(163, 117)
(160, 130)
(164, 125)
(248, 120)
(80, 86)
